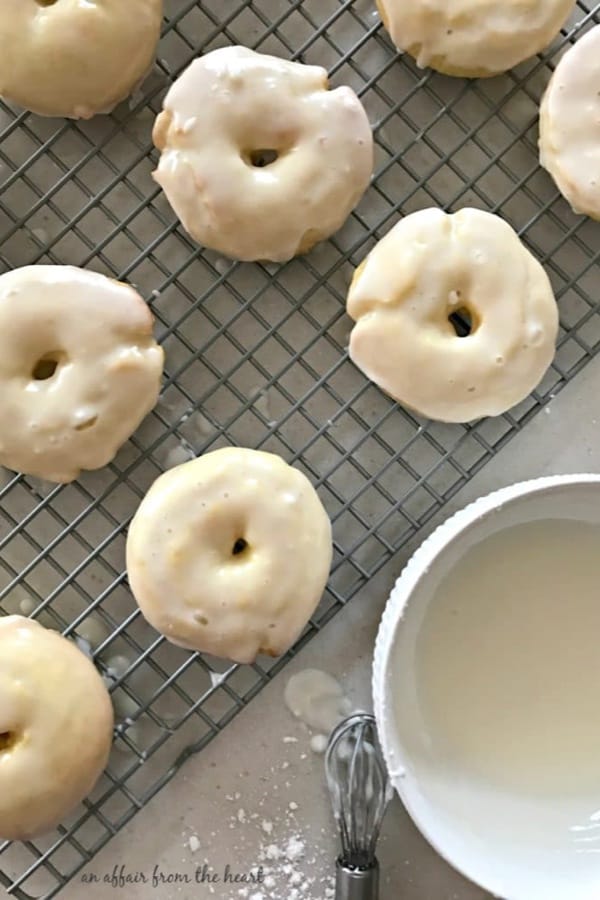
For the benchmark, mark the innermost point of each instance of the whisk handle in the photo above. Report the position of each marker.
(352, 884)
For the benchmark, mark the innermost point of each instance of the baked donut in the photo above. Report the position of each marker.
(73, 58)
(56, 728)
(79, 369)
(259, 159)
(230, 554)
(473, 38)
(436, 276)
(570, 125)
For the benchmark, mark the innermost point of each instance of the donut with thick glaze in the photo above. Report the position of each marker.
(432, 278)
(230, 554)
(259, 159)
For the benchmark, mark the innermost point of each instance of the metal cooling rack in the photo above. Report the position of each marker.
(256, 356)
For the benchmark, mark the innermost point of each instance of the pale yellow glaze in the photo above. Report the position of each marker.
(229, 105)
(429, 266)
(75, 58)
(56, 727)
(570, 125)
(473, 38)
(98, 333)
(192, 586)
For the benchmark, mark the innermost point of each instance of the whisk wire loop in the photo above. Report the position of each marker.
(359, 787)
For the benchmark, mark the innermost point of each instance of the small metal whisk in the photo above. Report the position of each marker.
(360, 791)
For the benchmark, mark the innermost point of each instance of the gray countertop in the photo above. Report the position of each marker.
(256, 795)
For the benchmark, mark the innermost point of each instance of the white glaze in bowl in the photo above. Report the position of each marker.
(515, 846)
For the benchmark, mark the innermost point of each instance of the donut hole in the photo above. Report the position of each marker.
(240, 546)
(463, 322)
(260, 159)
(46, 2)
(7, 740)
(46, 366)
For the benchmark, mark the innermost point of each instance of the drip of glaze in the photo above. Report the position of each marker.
(317, 699)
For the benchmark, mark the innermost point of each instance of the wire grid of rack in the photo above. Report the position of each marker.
(257, 356)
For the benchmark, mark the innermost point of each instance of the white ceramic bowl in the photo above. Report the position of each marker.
(512, 846)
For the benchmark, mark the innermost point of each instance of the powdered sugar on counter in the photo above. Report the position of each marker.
(271, 825)
(295, 849)
(291, 876)
(288, 852)
(318, 743)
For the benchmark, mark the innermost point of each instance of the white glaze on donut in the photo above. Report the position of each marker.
(56, 727)
(222, 114)
(75, 58)
(429, 266)
(570, 125)
(79, 369)
(473, 38)
(230, 554)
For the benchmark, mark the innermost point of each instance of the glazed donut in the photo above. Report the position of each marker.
(56, 728)
(259, 160)
(431, 272)
(75, 59)
(79, 369)
(473, 38)
(570, 125)
(230, 554)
